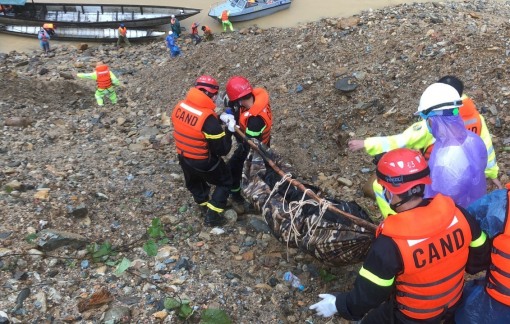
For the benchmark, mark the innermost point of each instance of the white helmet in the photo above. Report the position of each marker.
(170, 32)
(439, 96)
(172, 16)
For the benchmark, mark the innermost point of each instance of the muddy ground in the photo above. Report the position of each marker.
(106, 173)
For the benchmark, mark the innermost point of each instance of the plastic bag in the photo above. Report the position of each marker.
(490, 212)
(457, 162)
(479, 308)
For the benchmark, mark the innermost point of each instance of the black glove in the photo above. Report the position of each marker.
(377, 158)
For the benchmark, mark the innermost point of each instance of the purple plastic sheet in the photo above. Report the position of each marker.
(457, 161)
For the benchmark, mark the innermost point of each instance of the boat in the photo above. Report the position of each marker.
(242, 10)
(83, 34)
(91, 15)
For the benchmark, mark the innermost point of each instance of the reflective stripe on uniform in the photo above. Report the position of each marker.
(214, 136)
(236, 190)
(216, 209)
(471, 121)
(479, 241)
(255, 134)
(375, 279)
(191, 109)
(491, 164)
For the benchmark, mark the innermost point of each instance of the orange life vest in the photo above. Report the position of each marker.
(498, 281)
(123, 31)
(104, 81)
(434, 243)
(48, 26)
(471, 118)
(194, 29)
(260, 108)
(207, 30)
(224, 16)
(188, 118)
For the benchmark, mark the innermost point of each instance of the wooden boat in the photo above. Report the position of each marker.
(84, 34)
(93, 15)
(242, 10)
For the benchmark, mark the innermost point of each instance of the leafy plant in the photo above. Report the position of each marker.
(30, 238)
(182, 308)
(123, 266)
(100, 253)
(326, 276)
(151, 248)
(8, 189)
(155, 231)
(215, 316)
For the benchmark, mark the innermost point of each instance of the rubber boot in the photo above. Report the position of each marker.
(213, 218)
(203, 210)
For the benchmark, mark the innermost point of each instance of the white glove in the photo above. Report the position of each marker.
(326, 307)
(229, 120)
(224, 117)
(232, 125)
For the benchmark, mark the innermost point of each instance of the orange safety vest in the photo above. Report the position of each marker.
(471, 118)
(104, 81)
(207, 29)
(48, 26)
(434, 243)
(123, 31)
(188, 118)
(260, 108)
(498, 284)
(194, 29)
(224, 16)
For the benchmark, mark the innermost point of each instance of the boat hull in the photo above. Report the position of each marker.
(83, 34)
(249, 13)
(105, 16)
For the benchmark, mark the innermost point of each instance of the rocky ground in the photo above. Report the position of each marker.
(104, 174)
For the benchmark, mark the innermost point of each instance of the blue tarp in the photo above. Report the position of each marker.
(13, 2)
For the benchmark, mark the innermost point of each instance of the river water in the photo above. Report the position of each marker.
(300, 11)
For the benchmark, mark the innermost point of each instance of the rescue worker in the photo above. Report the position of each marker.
(105, 81)
(419, 137)
(122, 35)
(176, 26)
(50, 29)
(224, 20)
(487, 301)
(201, 142)
(170, 43)
(254, 118)
(194, 32)
(44, 41)
(207, 33)
(414, 270)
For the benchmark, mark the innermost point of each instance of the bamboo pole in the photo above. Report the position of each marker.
(356, 220)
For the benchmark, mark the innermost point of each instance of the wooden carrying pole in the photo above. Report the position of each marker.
(356, 220)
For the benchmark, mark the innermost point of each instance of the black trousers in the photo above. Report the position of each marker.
(236, 164)
(199, 174)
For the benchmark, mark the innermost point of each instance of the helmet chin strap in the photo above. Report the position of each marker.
(410, 194)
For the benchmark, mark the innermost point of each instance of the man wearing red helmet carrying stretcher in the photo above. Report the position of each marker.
(201, 142)
(253, 116)
(414, 270)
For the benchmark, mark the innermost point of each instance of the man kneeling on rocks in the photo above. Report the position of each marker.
(200, 141)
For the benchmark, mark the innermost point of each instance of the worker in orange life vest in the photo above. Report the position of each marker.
(224, 20)
(105, 81)
(122, 33)
(5, 9)
(201, 142)
(207, 33)
(254, 118)
(419, 256)
(194, 32)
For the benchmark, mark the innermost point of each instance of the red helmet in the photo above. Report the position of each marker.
(207, 83)
(402, 169)
(238, 87)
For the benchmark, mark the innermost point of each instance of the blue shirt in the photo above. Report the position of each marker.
(170, 40)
